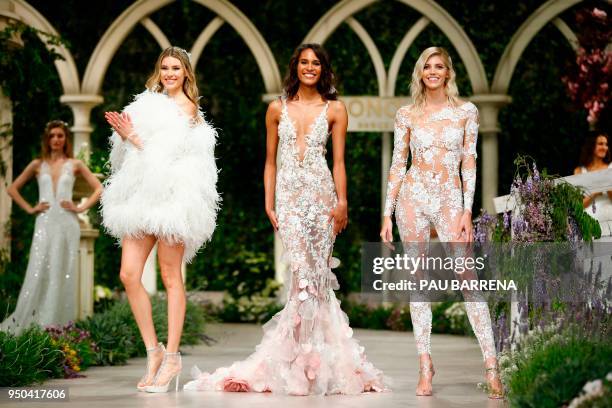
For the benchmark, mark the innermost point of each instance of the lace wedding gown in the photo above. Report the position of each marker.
(431, 192)
(307, 348)
(50, 288)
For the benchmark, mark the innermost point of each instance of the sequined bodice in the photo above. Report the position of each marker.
(65, 183)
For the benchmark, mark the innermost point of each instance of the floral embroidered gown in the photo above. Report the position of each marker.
(307, 348)
(442, 145)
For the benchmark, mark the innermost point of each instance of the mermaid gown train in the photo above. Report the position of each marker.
(308, 347)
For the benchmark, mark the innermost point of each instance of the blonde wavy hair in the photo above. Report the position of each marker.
(189, 85)
(417, 88)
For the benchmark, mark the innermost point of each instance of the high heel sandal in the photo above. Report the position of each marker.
(424, 371)
(492, 374)
(170, 369)
(153, 365)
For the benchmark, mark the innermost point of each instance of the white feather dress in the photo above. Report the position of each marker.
(167, 188)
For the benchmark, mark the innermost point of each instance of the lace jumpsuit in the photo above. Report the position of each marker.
(432, 192)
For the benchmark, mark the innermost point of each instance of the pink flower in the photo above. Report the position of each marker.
(235, 385)
(599, 13)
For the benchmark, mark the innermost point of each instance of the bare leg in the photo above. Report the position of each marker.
(133, 257)
(170, 258)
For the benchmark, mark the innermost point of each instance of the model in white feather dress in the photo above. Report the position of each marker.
(162, 190)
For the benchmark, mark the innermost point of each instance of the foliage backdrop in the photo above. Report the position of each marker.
(231, 85)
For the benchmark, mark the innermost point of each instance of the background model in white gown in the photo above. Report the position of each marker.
(167, 188)
(49, 291)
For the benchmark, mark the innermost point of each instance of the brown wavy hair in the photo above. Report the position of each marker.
(45, 149)
(189, 84)
(325, 86)
(588, 149)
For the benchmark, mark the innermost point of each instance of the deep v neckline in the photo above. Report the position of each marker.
(307, 134)
(54, 184)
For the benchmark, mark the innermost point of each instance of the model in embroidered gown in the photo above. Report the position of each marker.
(307, 348)
(162, 189)
(440, 132)
(50, 288)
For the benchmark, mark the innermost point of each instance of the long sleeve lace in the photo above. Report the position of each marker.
(401, 136)
(468, 158)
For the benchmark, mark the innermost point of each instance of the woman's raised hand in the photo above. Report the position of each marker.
(122, 123)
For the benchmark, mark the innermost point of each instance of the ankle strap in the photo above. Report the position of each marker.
(159, 346)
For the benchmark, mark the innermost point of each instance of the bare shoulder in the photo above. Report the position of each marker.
(35, 164)
(192, 109)
(577, 170)
(78, 164)
(337, 109)
(274, 108)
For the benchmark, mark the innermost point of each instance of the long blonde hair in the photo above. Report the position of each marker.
(189, 85)
(417, 88)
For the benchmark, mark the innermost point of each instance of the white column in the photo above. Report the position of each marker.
(6, 133)
(6, 156)
(489, 106)
(149, 276)
(81, 105)
(86, 275)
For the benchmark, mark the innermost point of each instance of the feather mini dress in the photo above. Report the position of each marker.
(168, 187)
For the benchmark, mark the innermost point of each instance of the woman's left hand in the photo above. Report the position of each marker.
(465, 227)
(339, 216)
(70, 206)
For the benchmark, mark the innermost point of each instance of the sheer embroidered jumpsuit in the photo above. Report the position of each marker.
(442, 145)
(307, 347)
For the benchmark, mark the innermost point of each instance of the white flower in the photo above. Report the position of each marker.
(592, 387)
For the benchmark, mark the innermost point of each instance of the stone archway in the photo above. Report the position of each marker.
(428, 8)
(120, 28)
(521, 39)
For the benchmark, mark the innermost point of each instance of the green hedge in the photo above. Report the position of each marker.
(110, 337)
(550, 367)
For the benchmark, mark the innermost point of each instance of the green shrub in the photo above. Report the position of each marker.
(549, 368)
(113, 334)
(28, 358)
(116, 333)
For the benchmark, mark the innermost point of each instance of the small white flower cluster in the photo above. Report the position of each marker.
(456, 314)
(592, 390)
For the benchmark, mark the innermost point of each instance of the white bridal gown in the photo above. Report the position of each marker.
(49, 291)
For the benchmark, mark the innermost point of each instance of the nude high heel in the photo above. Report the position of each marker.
(170, 369)
(155, 356)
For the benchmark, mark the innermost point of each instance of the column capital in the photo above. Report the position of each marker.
(81, 105)
(487, 99)
(489, 106)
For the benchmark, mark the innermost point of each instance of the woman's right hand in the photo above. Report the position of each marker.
(122, 123)
(41, 207)
(272, 217)
(386, 232)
